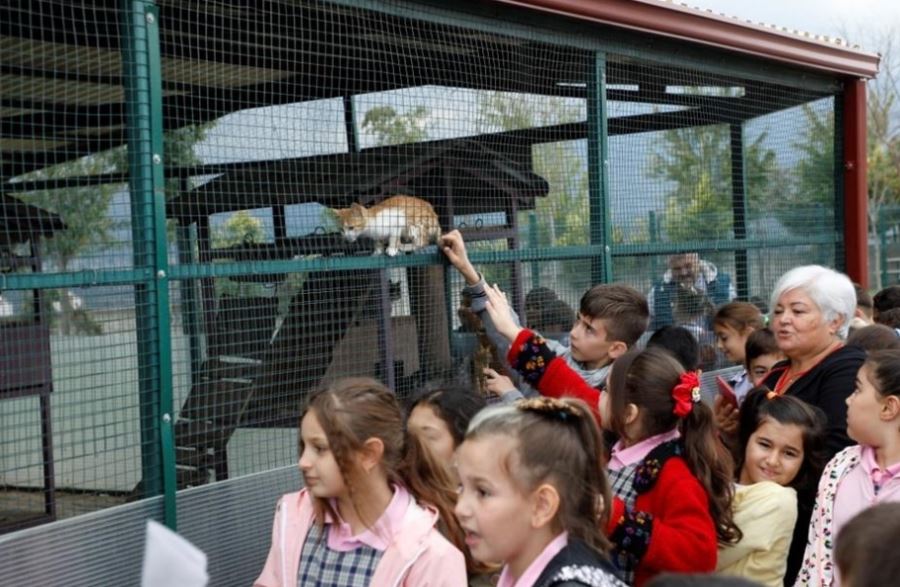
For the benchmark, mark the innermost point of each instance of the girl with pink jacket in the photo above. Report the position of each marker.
(372, 502)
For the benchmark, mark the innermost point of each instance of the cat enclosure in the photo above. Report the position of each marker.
(176, 165)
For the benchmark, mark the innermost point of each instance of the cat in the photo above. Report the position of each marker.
(396, 219)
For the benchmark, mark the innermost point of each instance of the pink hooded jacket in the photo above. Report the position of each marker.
(419, 556)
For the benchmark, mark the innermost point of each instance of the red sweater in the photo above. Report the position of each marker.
(670, 528)
(549, 374)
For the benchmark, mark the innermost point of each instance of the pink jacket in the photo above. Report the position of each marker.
(419, 556)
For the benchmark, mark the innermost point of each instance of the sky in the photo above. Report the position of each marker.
(859, 21)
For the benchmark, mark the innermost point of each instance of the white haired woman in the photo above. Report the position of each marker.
(812, 307)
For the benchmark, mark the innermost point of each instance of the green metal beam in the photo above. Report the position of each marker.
(85, 278)
(598, 171)
(142, 67)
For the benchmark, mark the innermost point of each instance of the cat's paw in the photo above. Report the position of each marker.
(377, 252)
(392, 251)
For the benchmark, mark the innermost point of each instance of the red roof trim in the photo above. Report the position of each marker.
(671, 20)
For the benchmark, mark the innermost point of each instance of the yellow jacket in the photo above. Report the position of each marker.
(766, 513)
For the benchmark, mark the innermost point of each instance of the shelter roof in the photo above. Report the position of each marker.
(452, 174)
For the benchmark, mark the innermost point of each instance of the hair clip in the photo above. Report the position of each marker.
(686, 393)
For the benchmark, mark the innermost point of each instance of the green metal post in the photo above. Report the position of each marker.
(141, 65)
(533, 244)
(653, 229)
(598, 169)
(739, 209)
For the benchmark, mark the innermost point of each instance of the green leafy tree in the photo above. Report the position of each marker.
(563, 216)
(883, 125)
(90, 224)
(697, 161)
(241, 228)
(390, 127)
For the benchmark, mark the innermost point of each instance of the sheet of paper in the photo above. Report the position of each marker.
(171, 561)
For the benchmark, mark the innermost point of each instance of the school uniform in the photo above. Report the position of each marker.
(659, 519)
(403, 548)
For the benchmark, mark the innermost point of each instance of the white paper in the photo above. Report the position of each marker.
(171, 561)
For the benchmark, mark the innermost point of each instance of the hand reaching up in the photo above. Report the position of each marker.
(454, 247)
(501, 314)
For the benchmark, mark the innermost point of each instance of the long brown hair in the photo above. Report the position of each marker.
(355, 409)
(739, 316)
(646, 379)
(557, 442)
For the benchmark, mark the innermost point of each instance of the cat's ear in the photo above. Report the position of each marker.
(356, 206)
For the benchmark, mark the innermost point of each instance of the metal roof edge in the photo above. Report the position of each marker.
(682, 22)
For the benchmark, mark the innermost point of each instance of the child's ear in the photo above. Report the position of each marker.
(617, 349)
(370, 454)
(544, 506)
(890, 408)
(631, 414)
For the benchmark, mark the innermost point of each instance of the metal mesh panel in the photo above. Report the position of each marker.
(102, 548)
(177, 300)
(213, 516)
(739, 171)
(72, 436)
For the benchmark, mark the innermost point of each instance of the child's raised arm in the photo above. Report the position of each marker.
(498, 309)
(531, 356)
(454, 248)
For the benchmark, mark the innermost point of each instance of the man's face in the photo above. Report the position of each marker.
(684, 268)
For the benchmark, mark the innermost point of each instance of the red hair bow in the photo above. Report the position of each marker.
(686, 393)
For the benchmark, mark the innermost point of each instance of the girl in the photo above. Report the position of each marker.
(782, 441)
(533, 491)
(858, 476)
(670, 476)
(372, 499)
(733, 324)
(440, 418)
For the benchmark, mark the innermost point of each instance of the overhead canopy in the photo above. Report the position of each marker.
(453, 175)
(63, 83)
(21, 222)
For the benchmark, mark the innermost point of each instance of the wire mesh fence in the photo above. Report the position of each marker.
(201, 220)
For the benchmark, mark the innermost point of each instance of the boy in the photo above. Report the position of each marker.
(610, 320)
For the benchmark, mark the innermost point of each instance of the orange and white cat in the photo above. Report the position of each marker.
(396, 219)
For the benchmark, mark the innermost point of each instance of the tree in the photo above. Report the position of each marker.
(697, 161)
(883, 124)
(240, 229)
(90, 224)
(392, 128)
(563, 216)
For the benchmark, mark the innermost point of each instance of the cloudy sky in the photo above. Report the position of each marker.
(860, 21)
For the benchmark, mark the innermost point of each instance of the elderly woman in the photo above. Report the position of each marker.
(811, 311)
(812, 307)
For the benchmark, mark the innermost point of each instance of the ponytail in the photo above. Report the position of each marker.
(711, 464)
(669, 397)
(558, 442)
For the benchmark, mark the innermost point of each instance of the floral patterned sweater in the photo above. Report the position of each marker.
(669, 529)
(818, 560)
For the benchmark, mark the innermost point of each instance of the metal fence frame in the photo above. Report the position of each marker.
(152, 274)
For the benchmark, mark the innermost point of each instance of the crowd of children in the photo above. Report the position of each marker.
(601, 464)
